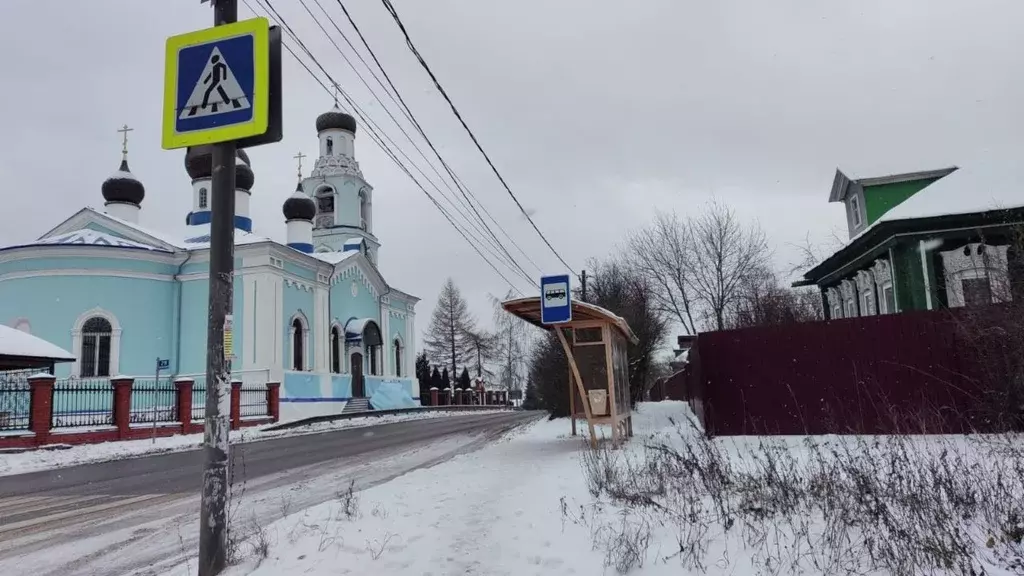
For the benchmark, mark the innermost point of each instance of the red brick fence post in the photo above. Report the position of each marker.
(433, 396)
(122, 405)
(41, 405)
(236, 404)
(184, 401)
(274, 401)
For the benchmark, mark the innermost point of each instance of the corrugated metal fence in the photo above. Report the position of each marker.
(917, 372)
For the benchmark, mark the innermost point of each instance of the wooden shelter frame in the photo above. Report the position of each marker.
(615, 334)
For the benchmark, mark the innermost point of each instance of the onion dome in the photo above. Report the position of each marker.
(244, 177)
(199, 165)
(335, 119)
(123, 187)
(298, 206)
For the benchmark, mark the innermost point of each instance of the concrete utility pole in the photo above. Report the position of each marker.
(213, 525)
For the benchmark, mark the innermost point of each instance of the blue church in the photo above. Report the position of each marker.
(313, 313)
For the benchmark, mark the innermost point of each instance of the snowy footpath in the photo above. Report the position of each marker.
(36, 460)
(531, 504)
(497, 511)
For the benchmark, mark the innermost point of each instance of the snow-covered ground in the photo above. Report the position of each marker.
(35, 460)
(523, 506)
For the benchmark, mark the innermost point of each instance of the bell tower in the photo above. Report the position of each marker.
(344, 200)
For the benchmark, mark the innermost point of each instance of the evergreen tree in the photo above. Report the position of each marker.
(423, 375)
(446, 382)
(435, 379)
(464, 379)
(530, 400)
(449, 338)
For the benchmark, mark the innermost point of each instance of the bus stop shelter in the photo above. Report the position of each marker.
(595, 342)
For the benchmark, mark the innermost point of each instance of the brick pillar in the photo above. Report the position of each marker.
(41, 405)
(184, 402)
(481, 395)
(236, 404)
(122, 404)
(274, 400)
(433, 397)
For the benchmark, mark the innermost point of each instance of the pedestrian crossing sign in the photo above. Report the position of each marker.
(217, 84)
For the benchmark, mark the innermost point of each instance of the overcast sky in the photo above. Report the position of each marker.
(597, 112)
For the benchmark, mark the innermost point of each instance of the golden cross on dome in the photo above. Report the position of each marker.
(124, 130)
(300, 156)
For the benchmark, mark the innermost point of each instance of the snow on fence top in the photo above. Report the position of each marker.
(22, 345)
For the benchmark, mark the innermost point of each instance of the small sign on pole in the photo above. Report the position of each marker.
(555, 299)
(229, 337)
(161, 364)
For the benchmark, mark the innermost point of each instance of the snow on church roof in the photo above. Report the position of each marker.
(89, 237)
(19, 344)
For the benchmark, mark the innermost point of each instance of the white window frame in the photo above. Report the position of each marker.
(883, 304)
(851, 308)
(837, 311)
(341, 348)
(115, 340)
(306, 365)
(399, 343)
(855, 209)
(975, 274)
(867, 299)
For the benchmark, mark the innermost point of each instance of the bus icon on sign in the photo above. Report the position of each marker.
(555, 294)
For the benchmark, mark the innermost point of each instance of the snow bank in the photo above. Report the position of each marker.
(521, 505)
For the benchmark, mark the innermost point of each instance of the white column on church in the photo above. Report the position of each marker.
(321, 328)
(385, 328)
(410, 344)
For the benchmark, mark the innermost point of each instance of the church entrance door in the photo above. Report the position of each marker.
(358, 386)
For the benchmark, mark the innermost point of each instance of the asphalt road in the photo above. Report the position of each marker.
(113, 517)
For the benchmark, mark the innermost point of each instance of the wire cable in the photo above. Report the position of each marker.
(412, 47)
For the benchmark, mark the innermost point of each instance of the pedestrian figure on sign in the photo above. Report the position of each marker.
(217, 75)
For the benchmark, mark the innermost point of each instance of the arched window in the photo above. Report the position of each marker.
(336, 350)
(203, 199)
(398, 357)
(330, 146)
(298, 334)
(364, 210)
(372, 343)
(325, 206)
(95, 351)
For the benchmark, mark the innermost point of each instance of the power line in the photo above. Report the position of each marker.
(486, 230)
(372, 131)
(409, 115)
(412, 47)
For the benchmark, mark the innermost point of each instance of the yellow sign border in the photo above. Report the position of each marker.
(259, 29)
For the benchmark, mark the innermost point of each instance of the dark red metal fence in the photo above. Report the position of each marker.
(914, 372)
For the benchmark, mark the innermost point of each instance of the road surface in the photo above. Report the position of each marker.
(140, 516)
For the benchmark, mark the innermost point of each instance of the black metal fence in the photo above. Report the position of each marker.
(199, 399)
(153, 401)
(83, 403)
(253, 401)
(15, 400)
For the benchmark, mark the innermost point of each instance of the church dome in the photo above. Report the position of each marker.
(199, 164)
(337, 120)
(244, 177)
(123, 187)
(298, 206)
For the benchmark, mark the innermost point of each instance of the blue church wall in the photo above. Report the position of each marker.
(63, 263)
(341, 386)
(301, 386)
(52, 305)
(300, 271)
(296, 300)
(344, 306)
(195, 303)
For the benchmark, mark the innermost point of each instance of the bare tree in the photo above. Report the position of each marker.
(512, 342)
(725, 253)
(763, 301)
(482, 351)
(449, 338)
(663, 254)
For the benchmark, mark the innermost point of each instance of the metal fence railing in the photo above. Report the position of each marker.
(15, 400)
(253, 401)
(86, 403)
(199, 399)
(153, 401)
